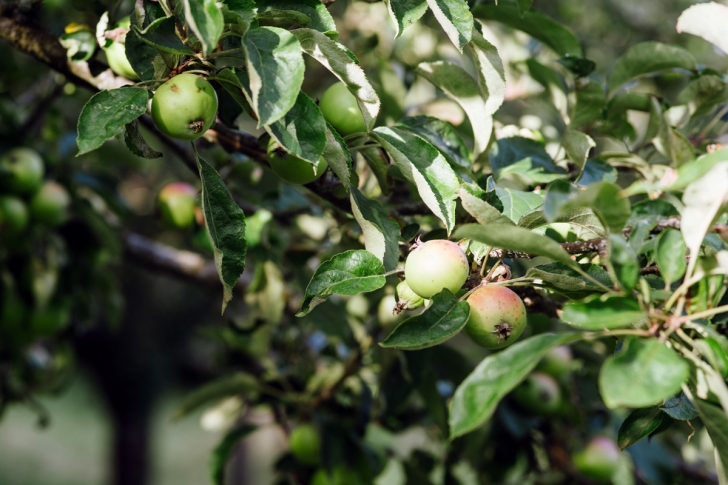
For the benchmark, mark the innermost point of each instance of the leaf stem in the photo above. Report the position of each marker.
(705, 313)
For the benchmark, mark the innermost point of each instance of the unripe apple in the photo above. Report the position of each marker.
(306, 444)
(339, 476)
(556, 362)
(294, 169)
(434, 266)
(340, 108)
(21, 171)
(13, 216)
(116, 53)
(497, 317)
(50, 204)
(599, 460)
(177, 203)
(539, 394)
(406, 298)
(386, 311)
(184, 107)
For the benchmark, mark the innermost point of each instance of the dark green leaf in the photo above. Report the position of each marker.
(715, 421)
(238, 383)
(517, 239)
(524, 5)
(381, 231)
(603, 198)
(580, 66)
(302, 130)
(680, 407)
(275, 68)
(222, 452)
(483, 212)
(590, 103)
(583, 218)
(639, 424)
(455, 18)
(643, 374)
(577, 146)
(478, 395)
(489, 72)
(320, 18)
(406, 12)
(229, 79)
(148, 62)
(648, 57)
(604, 312)
(670, 255)
(524, 159)
(225, 223)
(562, 279)
(136, 144)
(537, 25)
(161, 35)
(623, 262)
(105, 115)
(441, 321)
(515, 203)
(337, 155)
(348, 273)
(205, 19)
(424, 166)
(284, 19)
(595, 171)
(441, 135)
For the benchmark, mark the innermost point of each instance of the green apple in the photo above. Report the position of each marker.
(21, 171)
(599, 460)
(539, 394)
(291, 168)
(184, 107)
(434, 266)
(340, 108)
(177, 203)
(556, 362)
(50, 204)
(13, 216)
(305, 444)
(497, 317)
(116, 53)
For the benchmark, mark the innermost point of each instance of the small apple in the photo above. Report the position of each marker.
(497, 317)
(184, 107)
(599, 460)
(177, 203)
(294, 169)
(116, 53)
(539, 394)
(340, 108)
(50, 204)
(21, 171)
(435, 265)
(13, 216)
(306, 444)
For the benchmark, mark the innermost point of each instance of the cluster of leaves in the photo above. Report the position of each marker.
(627, 204)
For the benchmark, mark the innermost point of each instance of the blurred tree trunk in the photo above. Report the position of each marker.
(131, 448)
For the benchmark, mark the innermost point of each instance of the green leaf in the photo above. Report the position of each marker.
(302, 130)
(577, 146)
(490, 73)
(161, 35)
(136, 144)
(455, 19)
(680, 407)
(320, 18)
(524, 159)
(378, 162)
(516, 203)
(690, 172)
(443, 136)
(622, 262)
(230, 81)
(596, 171)
(553, 84)
(706, 20)
(482, 211)
(105, 115)
(405, 13)
(715, 421)
(205, 19)
(225, 223)
(381, 231)
(240, 15)
(284, 19)
(478, 395)
(562, 279)
(335, 57)
(460, 86)
(702, 198)
(348, 273)
(148, 62)
(670, 255)
(222, 452)
(80, 45)
(583, 218)
(517, 239)
(337, 155)
(275, 68)
(603, 312)
(537, 25)
(524, 5)
(424, 166)
(648, 57)
(603, 198)
(673, 145)
(229, 385)
(703, 93)
(639, 424)
(590, 104)
(644, 373)
(440, 322)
